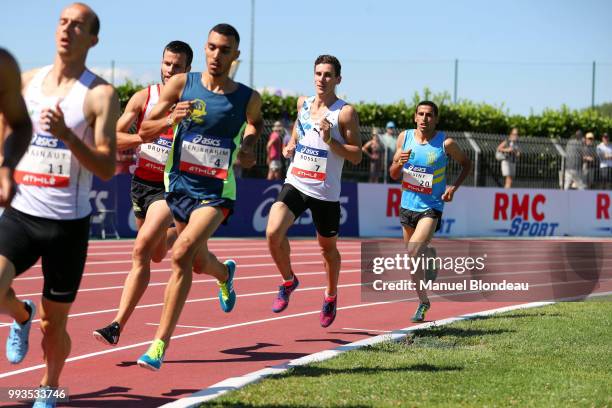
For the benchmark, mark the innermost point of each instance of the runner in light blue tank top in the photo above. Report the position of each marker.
(423, 188)
(210, 114)
(420, 162)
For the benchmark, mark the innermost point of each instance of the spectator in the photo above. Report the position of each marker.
(589, 160)
(374, 150)
(389, 141)
(274, 149)
(604, 152)
(511, 151)
(573, 163)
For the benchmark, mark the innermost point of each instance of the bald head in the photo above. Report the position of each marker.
(92, 17)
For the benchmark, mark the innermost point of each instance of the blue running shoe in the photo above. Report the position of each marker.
(46, 402)
(227, 295)
(17, 341)
(419, 315)
(154, 357)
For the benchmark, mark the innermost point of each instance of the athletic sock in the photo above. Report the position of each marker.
(290, 281)
(29, 310)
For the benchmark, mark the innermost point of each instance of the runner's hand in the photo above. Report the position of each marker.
(449, 193)
(325, 127)
(403, 157)
(52, 121)
(7, 186)
(181, 111)
(247, 157)
(289, 150)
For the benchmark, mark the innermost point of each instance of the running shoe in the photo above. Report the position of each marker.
(328, 312)
(108, 335)
(227, 296)
(281, 301)
(419, 315)
(431, 272)
(46, 402)
(154, 357)
(17, 342)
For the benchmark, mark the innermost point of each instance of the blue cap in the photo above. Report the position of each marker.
(391, 124)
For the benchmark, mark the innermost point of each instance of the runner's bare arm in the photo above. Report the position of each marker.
(133, 109)
(399, 158)
(13, 112)
(15, 125)
(289, 149)
(253, 129)
(348, 121)
(453, 150)
(158, 120)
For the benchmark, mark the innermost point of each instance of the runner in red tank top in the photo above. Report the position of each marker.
(153, 217)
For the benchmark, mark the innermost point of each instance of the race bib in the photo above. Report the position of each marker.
(153, 156)
(206, 156)
(309, 163)
(45, 164)
(418, 178)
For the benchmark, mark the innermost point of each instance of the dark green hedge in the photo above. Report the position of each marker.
(463, 116)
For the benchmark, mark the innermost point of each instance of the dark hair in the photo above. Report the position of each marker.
(180, 47)
(226, 30)
(94, 27)
(329, 59)
(432, 105)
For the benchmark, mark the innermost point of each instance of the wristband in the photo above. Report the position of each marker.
(169, 121)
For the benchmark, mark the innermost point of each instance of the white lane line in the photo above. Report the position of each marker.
(240, 266)
(195, 333)
(367, 330)
(183, 325)
(235, 383)
(348, 285)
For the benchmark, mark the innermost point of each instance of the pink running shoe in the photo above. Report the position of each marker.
(328, 313)
(281, 301)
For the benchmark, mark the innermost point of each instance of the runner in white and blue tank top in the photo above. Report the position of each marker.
(326, 133)
(73, 114)
(420, 161)
(216, 121)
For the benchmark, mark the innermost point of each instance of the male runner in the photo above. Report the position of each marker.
(12, 110)
(420, 159)
(326, 133)
(200, 183)
(74, 113)
(153, 217)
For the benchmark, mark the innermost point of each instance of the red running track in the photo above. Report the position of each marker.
(209, 345)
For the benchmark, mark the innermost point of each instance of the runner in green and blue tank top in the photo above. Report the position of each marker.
(420, 160)
(199, 176)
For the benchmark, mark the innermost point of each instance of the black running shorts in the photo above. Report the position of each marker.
(410, 218)
(61, 244)
(325, 214)
(144, 194)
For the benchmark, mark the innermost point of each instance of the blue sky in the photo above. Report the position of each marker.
(526, 55)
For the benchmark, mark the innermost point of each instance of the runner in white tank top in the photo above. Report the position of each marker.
(326, 133)
(153, 217)
(74, 114)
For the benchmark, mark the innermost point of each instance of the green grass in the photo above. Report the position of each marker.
(555, 356)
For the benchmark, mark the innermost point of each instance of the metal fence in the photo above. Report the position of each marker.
(540, 165)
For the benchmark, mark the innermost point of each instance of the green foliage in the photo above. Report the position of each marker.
(126, 91)
(462, 116)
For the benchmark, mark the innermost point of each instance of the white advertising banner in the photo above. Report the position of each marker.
(493, 212)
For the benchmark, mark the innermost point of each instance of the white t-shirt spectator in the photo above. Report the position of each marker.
(604, 151)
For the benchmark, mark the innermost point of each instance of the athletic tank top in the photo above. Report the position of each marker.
(206, 143)
(316, 170)
(151, 157)
(424, 175)
(51, 183)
